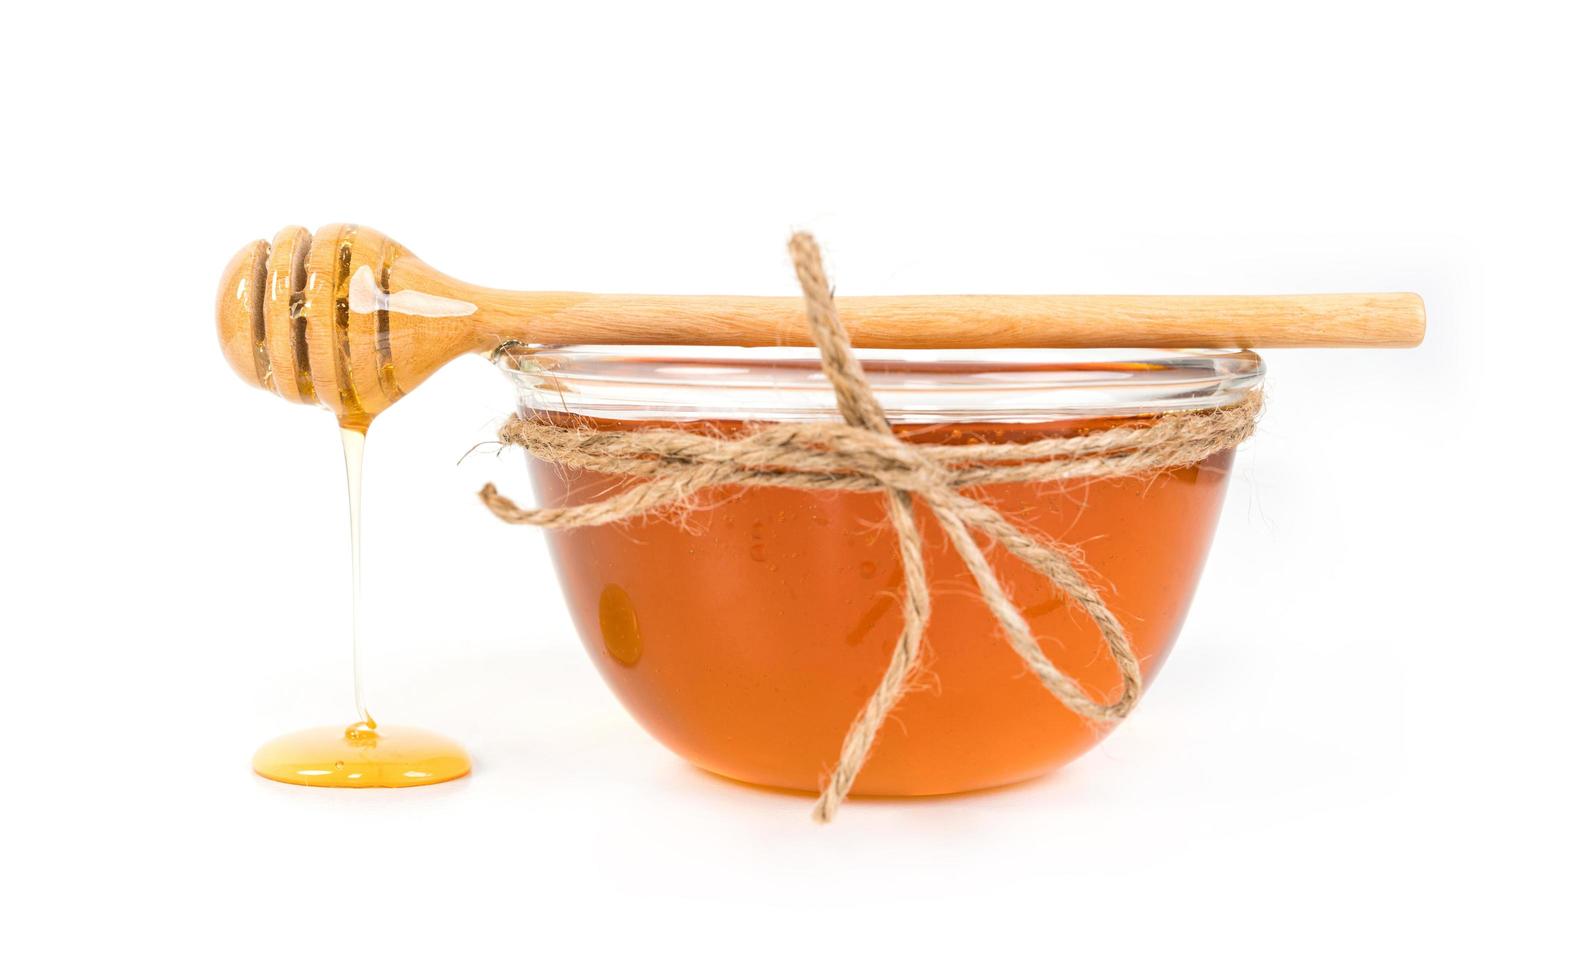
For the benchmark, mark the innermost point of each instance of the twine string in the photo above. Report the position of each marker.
(862, 454)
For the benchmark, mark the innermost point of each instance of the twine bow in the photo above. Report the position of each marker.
(862, 455)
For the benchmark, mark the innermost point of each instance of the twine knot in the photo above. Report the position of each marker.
(862, 454)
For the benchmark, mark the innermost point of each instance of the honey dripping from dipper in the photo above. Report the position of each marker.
(363, 753)
(294, 295)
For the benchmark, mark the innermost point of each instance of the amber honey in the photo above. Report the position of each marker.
(746, 634)
(365, 754)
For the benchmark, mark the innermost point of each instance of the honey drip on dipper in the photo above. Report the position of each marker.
(281, 291)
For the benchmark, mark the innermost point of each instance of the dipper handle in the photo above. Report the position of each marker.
(350, 319)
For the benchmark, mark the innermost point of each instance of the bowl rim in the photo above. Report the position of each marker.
(786, 383)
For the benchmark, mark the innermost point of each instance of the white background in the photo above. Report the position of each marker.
(1369, 751)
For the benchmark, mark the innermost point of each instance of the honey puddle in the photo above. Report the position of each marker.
(362, 754)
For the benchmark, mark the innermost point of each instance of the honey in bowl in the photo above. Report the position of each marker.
(746, 633)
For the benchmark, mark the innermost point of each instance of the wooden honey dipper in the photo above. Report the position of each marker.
(350, 319)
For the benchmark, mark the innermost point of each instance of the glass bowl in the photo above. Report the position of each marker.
(746, 634)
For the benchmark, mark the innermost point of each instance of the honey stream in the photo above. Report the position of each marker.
(363, 754)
